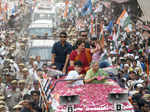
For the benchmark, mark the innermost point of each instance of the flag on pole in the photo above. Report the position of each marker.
(91, 26)
(66, 8)
(87, 9)
(110, 26)
(0, 7)
(6, 7)
(124, 21)
(116, 33)
(101, 36)
(147, 70)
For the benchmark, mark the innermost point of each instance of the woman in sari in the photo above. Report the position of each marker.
(95, 74)
(80, 54)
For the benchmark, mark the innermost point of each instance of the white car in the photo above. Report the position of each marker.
(39, 28)
(43, 12)
(40, 48)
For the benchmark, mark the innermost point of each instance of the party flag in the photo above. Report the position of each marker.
(124, 21)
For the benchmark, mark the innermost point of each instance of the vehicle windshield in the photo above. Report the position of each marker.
(40, 31)
(39, 16)
(43, 52)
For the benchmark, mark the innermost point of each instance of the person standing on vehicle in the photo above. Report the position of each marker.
(60, 53)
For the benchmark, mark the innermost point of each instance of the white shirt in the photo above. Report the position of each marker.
(74, 75)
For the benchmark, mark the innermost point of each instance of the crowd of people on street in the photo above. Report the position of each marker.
(82, 56)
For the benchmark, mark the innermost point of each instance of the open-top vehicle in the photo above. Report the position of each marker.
(108, 97)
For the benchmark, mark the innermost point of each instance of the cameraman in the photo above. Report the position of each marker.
(35, 103)
(27, 104)
(31, 102)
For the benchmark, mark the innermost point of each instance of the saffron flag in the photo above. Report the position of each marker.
(124, 21)
(92, 25)
(66, 8)
(101, 37)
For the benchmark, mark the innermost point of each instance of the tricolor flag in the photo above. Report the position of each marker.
(66, 8)
(92, 25)
(124, 21)
(101, 36)
(6, 7)
(116, 33)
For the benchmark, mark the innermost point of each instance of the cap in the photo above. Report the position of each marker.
(14, 82)
(113, 52)
(126, 65)
(17, 106)
(2, 107)
(22, 44)
(140, 50)
(21, 64)
(2, 102)
(21, 81)
(146, 96)
(25, 70)
(11, 48)
(139, 85)
(132, 72)
(2, 98)
(136, 57)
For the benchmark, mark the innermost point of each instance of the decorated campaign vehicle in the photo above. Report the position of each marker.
(106, 97)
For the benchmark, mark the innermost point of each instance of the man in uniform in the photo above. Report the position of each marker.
(20, 72)
(8, 78)
(21, 85)
(3, 108)
(2, 86)
(17, 108)
(13, 95)
(28, 79)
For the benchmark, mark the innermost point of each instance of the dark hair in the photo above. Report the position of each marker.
(78, 63)
(82, 32)
(27, 97)
(39, 69)
(63, 33)
(79, 42)
(35, 92)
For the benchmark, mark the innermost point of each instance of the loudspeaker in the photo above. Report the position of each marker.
(69, 100)
(118, 97)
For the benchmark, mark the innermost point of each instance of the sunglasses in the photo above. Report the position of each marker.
(84, 35)
(63, 36)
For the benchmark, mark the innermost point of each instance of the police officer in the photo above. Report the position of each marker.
(22, 88)
(13, 95)
(2, 86)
